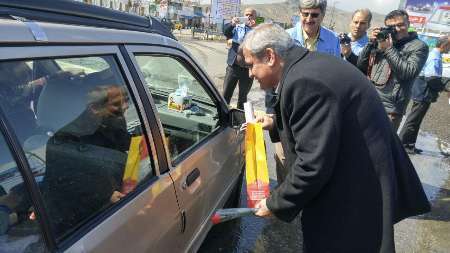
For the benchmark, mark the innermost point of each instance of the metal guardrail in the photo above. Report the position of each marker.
(200, 33)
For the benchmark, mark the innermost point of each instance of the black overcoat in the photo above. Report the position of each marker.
(348, 172)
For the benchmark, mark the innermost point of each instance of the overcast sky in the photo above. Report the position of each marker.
(380, 6)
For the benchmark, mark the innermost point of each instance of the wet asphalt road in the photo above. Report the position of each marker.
(426, 233)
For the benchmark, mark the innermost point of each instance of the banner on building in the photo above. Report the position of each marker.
(428, 13)
(225, 9)
(431, 18)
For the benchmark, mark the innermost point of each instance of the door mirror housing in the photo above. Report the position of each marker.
(237, 118)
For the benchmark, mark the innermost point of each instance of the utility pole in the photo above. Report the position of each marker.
(332, 16)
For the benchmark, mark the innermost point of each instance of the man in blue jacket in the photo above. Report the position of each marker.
(358, 34)
(236, 31)
(309, 33)
(425, 91)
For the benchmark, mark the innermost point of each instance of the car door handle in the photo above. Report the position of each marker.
(191, 178)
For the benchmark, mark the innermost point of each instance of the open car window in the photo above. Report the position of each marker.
(188, 113)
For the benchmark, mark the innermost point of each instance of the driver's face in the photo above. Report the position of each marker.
(117, 102)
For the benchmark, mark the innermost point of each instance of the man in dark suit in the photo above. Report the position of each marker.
(235, 31)
(348, 172)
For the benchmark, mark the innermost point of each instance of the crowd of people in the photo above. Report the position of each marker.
(393, 58)
(334, 105)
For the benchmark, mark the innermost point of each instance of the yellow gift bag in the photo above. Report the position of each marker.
(256, 172)
(137, 152)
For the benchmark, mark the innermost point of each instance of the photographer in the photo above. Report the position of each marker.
(392, 59)
(235, 32)
(353, 43)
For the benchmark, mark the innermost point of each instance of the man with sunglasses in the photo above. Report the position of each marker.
(309, 33)
(392, 59)
(236, 31)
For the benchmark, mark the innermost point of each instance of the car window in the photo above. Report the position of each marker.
(19, 228)
(187, 112)
(80, 125)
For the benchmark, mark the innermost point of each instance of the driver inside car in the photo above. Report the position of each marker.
(86, 159)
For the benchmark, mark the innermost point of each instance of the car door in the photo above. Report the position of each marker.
(92, 141)
(204, 152)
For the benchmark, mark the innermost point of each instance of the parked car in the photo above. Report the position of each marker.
(177, 25)
(112, 137)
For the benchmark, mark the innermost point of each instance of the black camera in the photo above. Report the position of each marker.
(385, 31)
(344, 39)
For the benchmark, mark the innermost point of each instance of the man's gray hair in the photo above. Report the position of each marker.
(313, 4)
(267, 36)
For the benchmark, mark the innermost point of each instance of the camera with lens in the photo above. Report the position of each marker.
(385, 31)
(344, 39)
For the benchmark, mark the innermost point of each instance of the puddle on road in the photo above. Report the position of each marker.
(426, 233)
(254, 234)
(429, 232)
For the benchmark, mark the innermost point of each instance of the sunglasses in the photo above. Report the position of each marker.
(312, 14)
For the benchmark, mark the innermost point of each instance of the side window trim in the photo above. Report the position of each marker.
(31, 186)
(148, 110)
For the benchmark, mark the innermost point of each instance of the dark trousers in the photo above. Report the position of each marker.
(408, 134)
(235, 74)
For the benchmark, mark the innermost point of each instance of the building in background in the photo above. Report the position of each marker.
(431, 19)
(429, 16)
(188, 12)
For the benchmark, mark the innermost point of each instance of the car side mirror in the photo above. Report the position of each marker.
(237, 118)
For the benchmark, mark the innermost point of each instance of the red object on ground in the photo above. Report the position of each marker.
(223, 215)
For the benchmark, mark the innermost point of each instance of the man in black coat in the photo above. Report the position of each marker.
(348, 172)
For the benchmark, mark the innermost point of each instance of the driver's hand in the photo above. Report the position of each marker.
(116, 196)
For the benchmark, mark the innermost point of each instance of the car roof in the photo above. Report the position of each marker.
(69, 21)
(17, 32)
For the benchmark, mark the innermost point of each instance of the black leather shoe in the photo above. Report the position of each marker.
(411, 149)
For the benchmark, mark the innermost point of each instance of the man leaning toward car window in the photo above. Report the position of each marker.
(347, 171)
(359, 25)
(392, 59)
(309, 34)
(236, 31)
